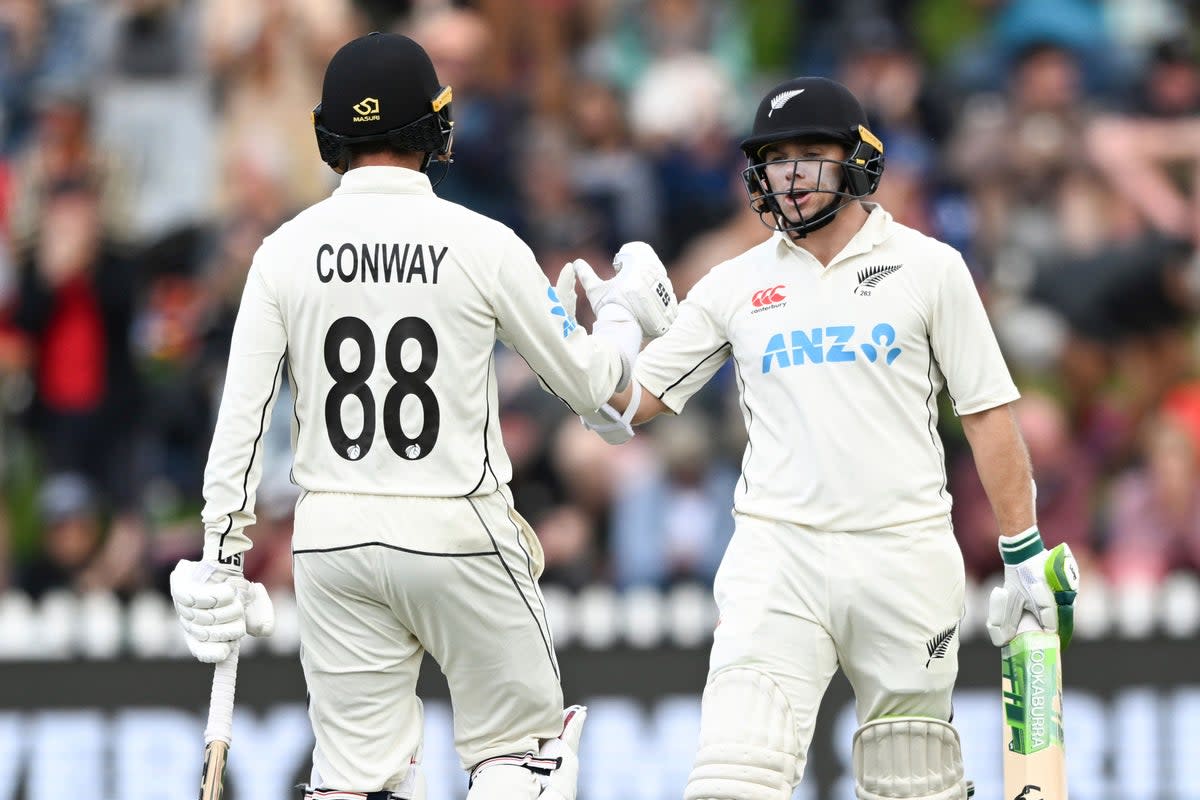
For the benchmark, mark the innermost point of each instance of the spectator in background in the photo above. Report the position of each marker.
(639, 34)
(154, 112)
(60, 149)
(570, 547)
(1154, 166)
(608, 174)
(488, 118)
(673, 524)
(267, 57)
(1154, 508)
(71, 533)
(41, 43)
(681, 116)
(1170, 86)
(1035, 198)
(556, 220)
(1128, 309)
(76, 305)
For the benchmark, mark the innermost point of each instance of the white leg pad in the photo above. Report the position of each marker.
(504, 782)
(748, 743)
(915, 758)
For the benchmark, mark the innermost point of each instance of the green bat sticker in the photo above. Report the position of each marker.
(1030, 664)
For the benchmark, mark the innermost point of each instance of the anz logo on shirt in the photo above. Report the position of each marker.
(557, 310)
(833, 344)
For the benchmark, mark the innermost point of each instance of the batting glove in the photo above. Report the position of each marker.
(641, 287)
(1041, 582)
(616, 325)
(217, 607)
(561, 784)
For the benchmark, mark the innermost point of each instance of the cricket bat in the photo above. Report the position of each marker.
(218, 733)
(1034, 757)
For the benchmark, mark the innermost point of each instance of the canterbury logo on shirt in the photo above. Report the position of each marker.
(767, 297)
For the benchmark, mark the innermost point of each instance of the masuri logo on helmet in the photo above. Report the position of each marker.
(383, 88)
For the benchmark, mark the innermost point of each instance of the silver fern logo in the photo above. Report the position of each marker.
(780, 100)
(870, 277)
(939, 645)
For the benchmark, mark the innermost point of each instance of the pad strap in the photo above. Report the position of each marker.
(530, 761)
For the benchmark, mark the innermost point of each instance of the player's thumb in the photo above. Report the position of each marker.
(1004, 612)
(639, 252)
(593, 286)
(260, 613)
(564, 288)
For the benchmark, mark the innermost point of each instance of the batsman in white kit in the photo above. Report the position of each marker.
(843, 326)
(385, 303)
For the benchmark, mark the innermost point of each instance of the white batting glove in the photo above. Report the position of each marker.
(1039, 581)
(217, 608)
(561, 784)
(641, 287)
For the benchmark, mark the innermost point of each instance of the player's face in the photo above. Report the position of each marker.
(804, 175)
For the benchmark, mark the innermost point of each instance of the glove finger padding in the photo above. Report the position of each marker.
(210, 603)
(187, 593)
(231, 612)
(657, 297)
(595, 287)
(641, 287)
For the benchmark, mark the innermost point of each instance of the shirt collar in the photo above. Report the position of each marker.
(384, 180)
(876, 229)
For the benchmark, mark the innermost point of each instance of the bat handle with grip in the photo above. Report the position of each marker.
(220, 704)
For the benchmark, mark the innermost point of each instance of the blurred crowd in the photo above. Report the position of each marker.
(147, 146)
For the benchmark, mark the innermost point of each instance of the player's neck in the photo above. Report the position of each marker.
(826, 243)
(388, 159)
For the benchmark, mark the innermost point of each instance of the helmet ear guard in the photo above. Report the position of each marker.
(432, 134)
(864, 166)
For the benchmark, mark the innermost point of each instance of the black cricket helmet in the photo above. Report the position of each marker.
(382, 87)
(818, 110)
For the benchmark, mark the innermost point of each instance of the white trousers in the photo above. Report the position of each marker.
(797, 603)
(379, 582)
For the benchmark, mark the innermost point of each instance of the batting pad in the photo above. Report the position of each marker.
(915, 758)
(748, 744)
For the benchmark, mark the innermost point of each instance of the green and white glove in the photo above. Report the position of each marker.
(1036, 580)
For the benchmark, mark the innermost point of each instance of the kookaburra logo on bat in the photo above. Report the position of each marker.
(1030, 792)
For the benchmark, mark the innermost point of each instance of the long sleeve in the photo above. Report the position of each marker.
(251, 386)
(580, 369)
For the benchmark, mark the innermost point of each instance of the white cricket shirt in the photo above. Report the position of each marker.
(385, 302)
(839, 369)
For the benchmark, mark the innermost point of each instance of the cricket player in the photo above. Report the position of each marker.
(385, 303)
(843, 327)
